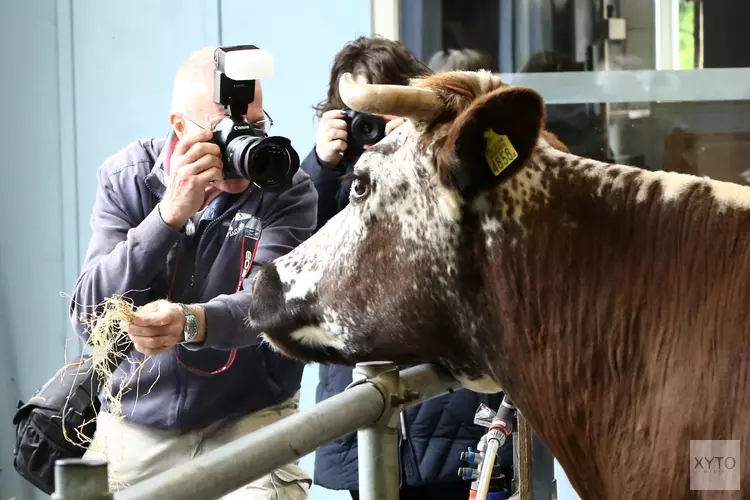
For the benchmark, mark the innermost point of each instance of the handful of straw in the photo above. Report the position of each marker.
(107, 334)
(109, 340)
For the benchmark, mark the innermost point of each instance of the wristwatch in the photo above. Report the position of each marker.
(190, 332)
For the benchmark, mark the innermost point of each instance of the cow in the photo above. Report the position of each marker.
(611, 303)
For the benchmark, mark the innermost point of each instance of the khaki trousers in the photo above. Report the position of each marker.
(136, 452)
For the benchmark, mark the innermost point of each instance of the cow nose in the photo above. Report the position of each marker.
(256, 280)
(268, 293)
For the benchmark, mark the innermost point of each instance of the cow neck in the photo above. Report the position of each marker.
(599, 293)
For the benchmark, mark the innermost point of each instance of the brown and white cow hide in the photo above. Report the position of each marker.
(611, 303)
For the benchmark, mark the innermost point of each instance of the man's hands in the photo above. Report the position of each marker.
(195, 163)
(158, 326)
(331, 139)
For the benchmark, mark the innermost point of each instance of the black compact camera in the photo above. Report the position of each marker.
(248, 152)
(362, 129)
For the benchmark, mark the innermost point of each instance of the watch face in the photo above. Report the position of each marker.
(191, 328)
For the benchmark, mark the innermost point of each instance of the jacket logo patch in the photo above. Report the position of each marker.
(240, 222)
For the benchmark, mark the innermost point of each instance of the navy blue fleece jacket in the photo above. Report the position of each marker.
(133, 252)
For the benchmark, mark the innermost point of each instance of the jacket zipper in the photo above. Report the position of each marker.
(151, 190)
(182, 394)
(176, 371)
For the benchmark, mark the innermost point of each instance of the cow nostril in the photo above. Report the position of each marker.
(254, 282)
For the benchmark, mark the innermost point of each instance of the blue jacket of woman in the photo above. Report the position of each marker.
(437, 431)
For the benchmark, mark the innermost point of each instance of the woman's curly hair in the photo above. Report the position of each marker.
(378, 59)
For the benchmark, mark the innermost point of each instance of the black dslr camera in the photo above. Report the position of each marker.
(362, 129)
(248, 152)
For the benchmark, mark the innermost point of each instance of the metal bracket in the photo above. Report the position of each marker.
(385, 377)
(378, 445)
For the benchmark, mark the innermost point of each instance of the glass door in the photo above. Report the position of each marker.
(658, 84)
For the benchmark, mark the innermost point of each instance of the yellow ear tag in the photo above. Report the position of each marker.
(500, 152)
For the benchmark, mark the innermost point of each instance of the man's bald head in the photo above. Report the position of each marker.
(194, 80)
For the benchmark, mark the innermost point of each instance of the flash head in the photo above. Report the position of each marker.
(235, 70)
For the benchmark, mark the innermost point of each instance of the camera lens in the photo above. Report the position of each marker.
(368, 129)
(238, 154)
(269, 160)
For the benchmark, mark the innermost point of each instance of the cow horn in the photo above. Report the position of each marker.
(400, 100)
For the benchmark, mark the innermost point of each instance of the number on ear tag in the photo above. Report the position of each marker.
(499, 152)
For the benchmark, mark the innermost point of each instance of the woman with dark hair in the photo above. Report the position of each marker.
(370, 60)
(433, 434)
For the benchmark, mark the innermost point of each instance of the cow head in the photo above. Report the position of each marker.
(398, 274)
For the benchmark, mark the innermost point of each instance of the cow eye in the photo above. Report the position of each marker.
(360, 188)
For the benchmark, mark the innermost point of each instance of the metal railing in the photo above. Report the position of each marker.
(370, 406)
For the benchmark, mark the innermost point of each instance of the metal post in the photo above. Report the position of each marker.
(543, 485)
(81, 480)
(522, 449)
(377, 445)
(534, 465)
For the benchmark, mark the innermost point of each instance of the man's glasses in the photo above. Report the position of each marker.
(263, 125)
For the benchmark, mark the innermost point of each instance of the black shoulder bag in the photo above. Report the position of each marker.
(58, 422)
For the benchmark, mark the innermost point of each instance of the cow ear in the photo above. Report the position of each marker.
(491, 140)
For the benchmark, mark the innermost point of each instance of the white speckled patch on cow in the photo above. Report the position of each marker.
(302, 270)
(726, 194)
(525, 193)
(317, 337)
(673, 186)
(406, 200)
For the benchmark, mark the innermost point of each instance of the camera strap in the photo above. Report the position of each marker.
(248, 227)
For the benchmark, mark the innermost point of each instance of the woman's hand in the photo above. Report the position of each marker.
(391, 124)
(330, 142)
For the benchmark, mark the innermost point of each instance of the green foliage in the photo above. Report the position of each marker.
(687, 40)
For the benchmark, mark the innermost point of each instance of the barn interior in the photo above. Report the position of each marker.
(657, 84)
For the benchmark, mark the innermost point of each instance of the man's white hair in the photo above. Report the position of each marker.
(194, 78)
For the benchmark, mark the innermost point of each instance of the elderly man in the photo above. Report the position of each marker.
(172, 235)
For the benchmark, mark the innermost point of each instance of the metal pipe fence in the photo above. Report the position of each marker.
(370, 406)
